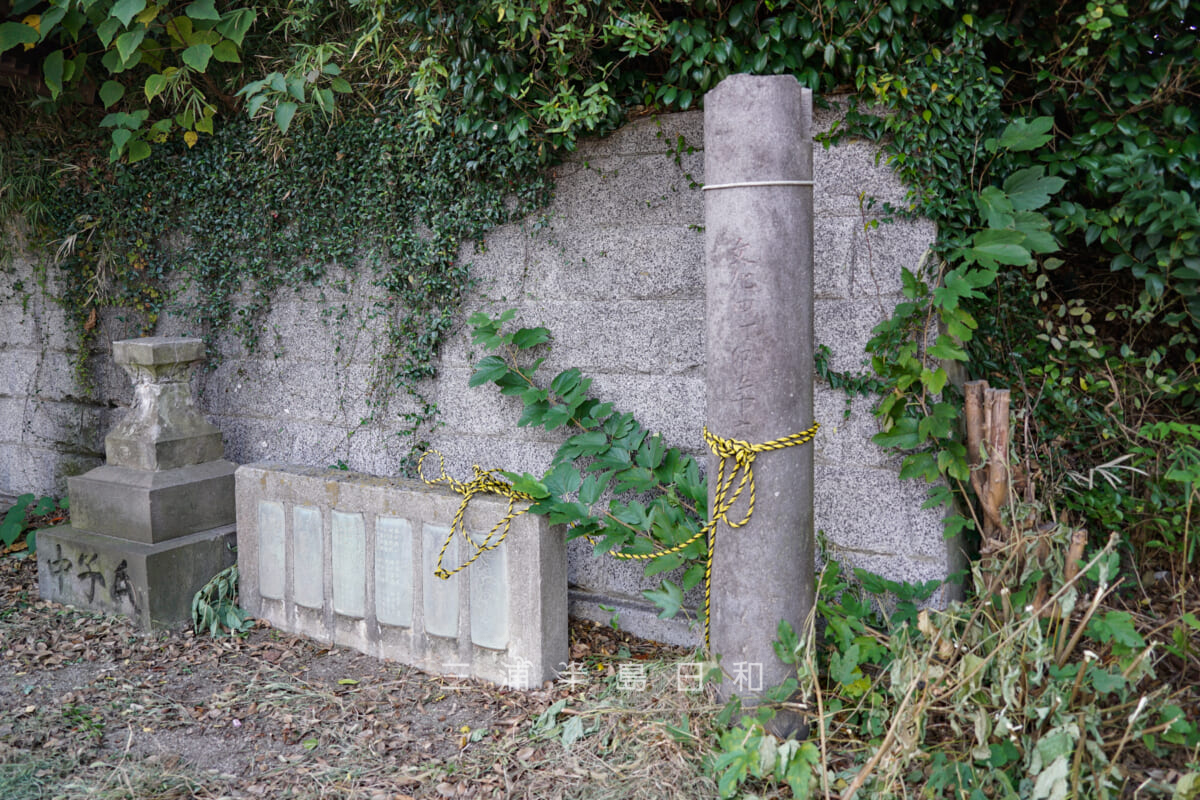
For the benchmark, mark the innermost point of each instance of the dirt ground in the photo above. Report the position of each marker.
(90, 708)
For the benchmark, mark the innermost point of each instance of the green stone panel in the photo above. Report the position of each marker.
(489, 597)
(349, 564)
(271, 562)
(308, 557)
(393, 571)
(440, 596)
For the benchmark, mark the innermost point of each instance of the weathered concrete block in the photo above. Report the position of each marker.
(636, 337)
(149, 507)
(850, 170)
(164, 429)
(503, 619)
(845, 327)
(647, 189)
(152, 584)
(881, 254)
(656, 134)
(847, 508)
(635, 614)
(847, 440)
(614, 263)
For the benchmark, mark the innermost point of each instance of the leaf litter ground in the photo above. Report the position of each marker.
(91, 708)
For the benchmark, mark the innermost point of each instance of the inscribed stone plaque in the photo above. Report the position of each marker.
(308, 557)
(349, 564)
(270, 550)
(393, 571)
(489, 597)
(441, 596)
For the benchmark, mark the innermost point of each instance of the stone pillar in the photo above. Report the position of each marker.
(156, 522)
(758, 249)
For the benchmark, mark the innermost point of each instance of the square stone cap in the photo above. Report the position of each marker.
(158, 350)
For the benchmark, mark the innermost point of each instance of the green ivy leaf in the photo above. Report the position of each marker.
(1029, 189)
(1105, 681)
(202, 9)
(995, 208)
(527, 484)
(1000, 246)
(15, 33)
(197, 57)
(1116, 627)
(1022, 135)
(947, 350)
(138, 150)
(562, 480)
(638, 479)
(903, 434)
(235, 24)
(52, 69)
(919, 465)
(283, 115)
(126, 10)
(226, 51)
(111, 92)
(593, 488)
(591, 443)
(668, 597)
(155, 85)
(488, 370)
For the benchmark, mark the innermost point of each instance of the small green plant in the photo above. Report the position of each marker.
(215, 607)
(614, 621)
(26, 514)
(748, 750)
(85, 719)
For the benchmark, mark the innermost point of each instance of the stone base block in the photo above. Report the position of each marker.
(349, 559)
(152, 584)
(149, 507)
(124, 447)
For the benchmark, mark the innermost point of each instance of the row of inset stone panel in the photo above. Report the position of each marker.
(393, 568)
(351, 559)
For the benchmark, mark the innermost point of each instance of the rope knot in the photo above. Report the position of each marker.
(483, 481)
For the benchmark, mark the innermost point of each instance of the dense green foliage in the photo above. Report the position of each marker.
(1056, 145)
(1098, 282)
(611, 481)
(978, 700)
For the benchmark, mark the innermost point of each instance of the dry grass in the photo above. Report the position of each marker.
(91, 709)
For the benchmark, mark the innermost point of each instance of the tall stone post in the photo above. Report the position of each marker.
(153, 524)
(759, 252)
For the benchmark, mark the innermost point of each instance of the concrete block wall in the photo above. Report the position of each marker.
(349, 559)
(614, 268)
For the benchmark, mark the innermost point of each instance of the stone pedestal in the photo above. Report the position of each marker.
(154, 524)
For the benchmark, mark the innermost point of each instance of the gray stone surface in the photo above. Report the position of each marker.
(759, 362)
(152, 584)
(394, 571)
(349, 547)
(504, 619)
(147, 506)
(164, 429)
(308, 543)
(624, 234)
(153, 527)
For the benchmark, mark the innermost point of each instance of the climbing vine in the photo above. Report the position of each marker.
(313, 133)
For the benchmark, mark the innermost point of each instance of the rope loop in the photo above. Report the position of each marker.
(735, 474)
(483, 481)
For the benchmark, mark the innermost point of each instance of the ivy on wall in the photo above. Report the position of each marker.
(398, 128)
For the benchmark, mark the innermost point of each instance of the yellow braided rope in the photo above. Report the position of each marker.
(483, 482)
(742, 454)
